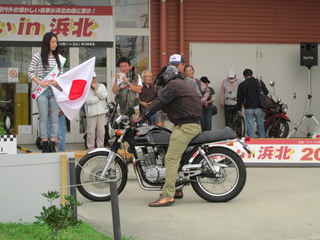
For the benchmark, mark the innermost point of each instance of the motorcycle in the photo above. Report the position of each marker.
(211, 163)
(276, 121)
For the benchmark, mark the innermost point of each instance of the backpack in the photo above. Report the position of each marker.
(126, 97)
(266, 101)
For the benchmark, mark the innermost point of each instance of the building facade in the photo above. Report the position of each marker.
(214, 36)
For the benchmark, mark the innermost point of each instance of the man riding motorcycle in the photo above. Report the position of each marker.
(183, 107)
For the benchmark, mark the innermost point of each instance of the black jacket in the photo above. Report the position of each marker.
(179, 100)
(249, 94)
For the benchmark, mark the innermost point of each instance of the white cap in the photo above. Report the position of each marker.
(176, 59)
(94, 74)
(231, 74)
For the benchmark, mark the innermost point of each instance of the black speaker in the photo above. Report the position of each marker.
(309, 54)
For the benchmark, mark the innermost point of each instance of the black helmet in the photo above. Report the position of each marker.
(171, 73)
(166, 74)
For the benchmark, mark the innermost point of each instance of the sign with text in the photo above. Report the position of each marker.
(8, 144)
(284, 151)
(75, 26)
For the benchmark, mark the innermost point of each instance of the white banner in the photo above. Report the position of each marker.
(74, 25)
(284, 151)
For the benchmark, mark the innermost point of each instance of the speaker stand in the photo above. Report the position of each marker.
(307, 115)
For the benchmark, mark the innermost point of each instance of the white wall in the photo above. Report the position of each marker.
(270, 62)
(23, 178)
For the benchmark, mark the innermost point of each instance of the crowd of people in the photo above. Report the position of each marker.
(183, 98)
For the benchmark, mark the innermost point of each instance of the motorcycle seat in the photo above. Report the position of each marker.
(214, 136)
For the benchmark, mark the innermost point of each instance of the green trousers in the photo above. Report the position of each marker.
(179, 140)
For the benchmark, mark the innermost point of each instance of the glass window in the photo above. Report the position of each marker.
(131, 14)
(15, 87)
(135, 48)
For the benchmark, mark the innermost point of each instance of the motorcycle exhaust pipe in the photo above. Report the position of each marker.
(191, 167)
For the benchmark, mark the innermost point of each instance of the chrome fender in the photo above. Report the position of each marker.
(108, 150)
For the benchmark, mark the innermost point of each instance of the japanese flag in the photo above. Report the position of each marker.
(75, 86)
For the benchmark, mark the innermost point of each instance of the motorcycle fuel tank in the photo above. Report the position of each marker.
(152, 135)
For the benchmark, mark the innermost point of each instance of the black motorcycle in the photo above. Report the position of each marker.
(211, 163)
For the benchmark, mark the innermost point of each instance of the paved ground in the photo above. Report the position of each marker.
(276, 204)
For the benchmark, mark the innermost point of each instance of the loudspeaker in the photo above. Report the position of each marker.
(309, 54)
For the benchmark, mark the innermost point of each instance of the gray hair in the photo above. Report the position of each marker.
(144, 72)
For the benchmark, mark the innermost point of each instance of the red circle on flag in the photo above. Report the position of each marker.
(77, 88)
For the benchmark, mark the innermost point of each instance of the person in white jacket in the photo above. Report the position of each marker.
(96, 109)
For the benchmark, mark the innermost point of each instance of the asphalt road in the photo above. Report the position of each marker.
(276, 203)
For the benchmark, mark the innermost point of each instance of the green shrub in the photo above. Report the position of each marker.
(58, 218)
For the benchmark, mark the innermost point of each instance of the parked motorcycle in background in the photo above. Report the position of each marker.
(276, 121)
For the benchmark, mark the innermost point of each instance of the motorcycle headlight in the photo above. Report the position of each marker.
(284, 108)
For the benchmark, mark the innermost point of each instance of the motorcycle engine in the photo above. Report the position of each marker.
(152, 162)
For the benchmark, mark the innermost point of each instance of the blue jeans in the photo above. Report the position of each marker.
(250, 115)
(62, 133)
(152, 120)
(47, 101)
(206, 120)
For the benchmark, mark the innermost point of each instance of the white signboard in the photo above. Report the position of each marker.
(8, 144)
(13, 74)
(74, 25)
(304, 151)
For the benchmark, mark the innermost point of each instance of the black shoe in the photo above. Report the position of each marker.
(52, 147)
(178, 195)
(45, 148)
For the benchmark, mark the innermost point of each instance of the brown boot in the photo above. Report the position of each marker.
(162, 201)
(45, 147)
(52, 147)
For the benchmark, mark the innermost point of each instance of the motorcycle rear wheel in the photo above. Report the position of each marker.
(39, 143)
(228, 184)
(277, 129)
(88, 171)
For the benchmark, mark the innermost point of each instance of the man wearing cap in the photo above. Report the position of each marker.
(228, 94)
(206, 118)
(96, 109)
(179, 62)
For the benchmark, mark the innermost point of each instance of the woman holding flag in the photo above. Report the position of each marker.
(49, 65)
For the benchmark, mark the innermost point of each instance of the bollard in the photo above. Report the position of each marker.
(115, 207)
(73, 188)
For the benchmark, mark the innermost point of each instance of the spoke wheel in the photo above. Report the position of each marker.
(88, 173)
(227, 183)
(277, 129)
(240, 126)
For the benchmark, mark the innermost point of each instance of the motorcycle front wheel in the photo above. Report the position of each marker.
(89, 170)
(277, 129)
(240, 126)
(225, 184)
